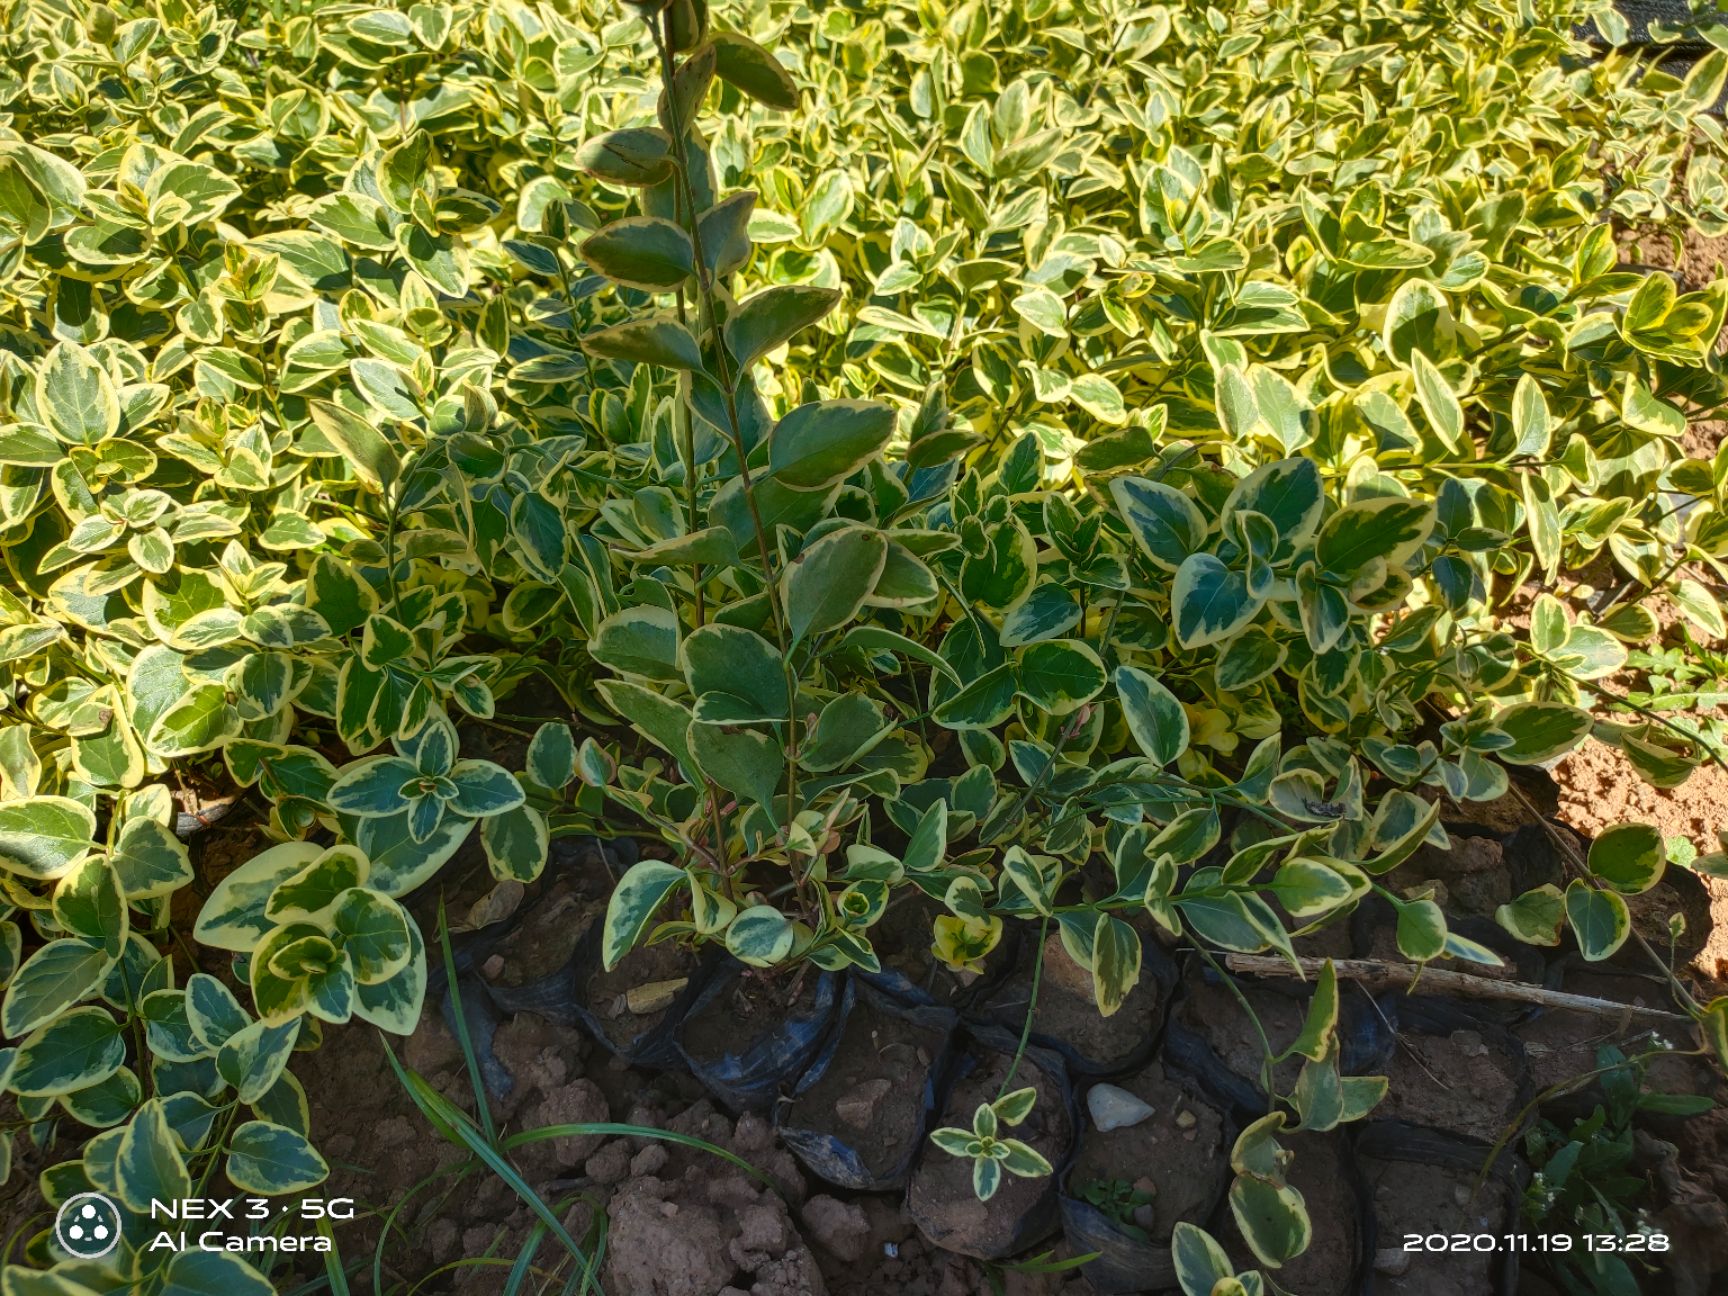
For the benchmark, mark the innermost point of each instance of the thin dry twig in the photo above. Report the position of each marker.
(1379, 974)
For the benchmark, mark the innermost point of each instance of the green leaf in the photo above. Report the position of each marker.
(373, 786)
(1530, 421)
(659, 718)
(233, 918)
(43, 836)
(1271, 1216)
(636, 898)
(737, 675)
(741, 62)
(394, 1005)
(88, 902)
(763, 322)
(1155, 718)
(76, 397)
(1421, 930)
(336, 592)
(761, 936)
(361, 445)
(1060, 676)
(641, 641)
(1211, 602)
(656, 339)
(1418, 319)
(1320, 1024)
(213, 1013)
(1024, 1160)
(75, 1050)
(642, 252)
(213, 1273)
(1536, 916)
(149, 1166)
(516, 843)
(388, 388)
(1288, 493)
(53, 979)
(374, 934)
(1434, 394)
(1042, 309)
(1540, 731)
(635, 157)
(1310, 887)
(1115, 962)
(252, 1059)
(745, 762)
(1165, 523)
(201, 721)
(1387, 527)
(149, 861)
(824, 442)
(483, 788)
(827, 583)
(552, 755)
(1599, 920)
(1200, 1262)
(271, 1160)
(1035, 876)
(1629, 857)
(725, 232)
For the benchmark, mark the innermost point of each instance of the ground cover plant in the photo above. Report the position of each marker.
(1128, 504)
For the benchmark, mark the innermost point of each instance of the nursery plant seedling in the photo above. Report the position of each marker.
(990, 1151)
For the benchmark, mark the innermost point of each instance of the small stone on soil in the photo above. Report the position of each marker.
(493, 967)
(1185, 1119)
(1392, 1261)
(654, 996)
(609, 1165)
(1470, 1043)
(1113, 1108)
(859, 1107)
(841, 1227)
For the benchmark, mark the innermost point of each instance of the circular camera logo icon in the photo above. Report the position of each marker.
(88, 1226)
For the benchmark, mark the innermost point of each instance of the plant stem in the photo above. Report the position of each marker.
(705, 290)
(1031, 1008)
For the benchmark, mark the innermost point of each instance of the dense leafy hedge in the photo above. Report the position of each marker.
(998, 438)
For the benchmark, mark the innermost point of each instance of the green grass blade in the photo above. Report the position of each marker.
(475, 1081)
(445, 1115)
(641, 1131)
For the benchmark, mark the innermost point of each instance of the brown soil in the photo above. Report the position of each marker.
(1599, 788)
(1067, 1009)
(1321, 1171)
(872, 1093)
(543, 944)
(754, 1006)
(1562, 1045)
(1470, 879)
(646, 965)
(1458, 1082)
(1425, 1198)
(1178, 1154)
(1532, 792)
(1211, 1011)
(940, 1198)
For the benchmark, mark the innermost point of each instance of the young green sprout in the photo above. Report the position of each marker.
(991, 1154)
